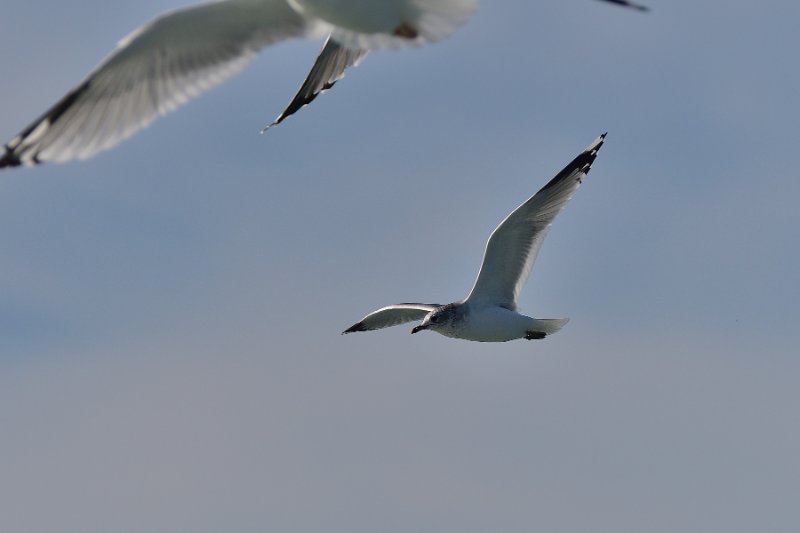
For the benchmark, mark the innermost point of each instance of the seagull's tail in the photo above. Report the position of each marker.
(542, 327)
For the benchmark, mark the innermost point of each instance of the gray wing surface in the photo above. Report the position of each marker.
(329, 68)
(153, 71)
(392, 315)
(514, 244)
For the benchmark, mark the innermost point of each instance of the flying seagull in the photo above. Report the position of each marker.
(489, 313)
(182, 53)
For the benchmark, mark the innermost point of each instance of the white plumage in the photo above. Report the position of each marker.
(182, 53)
(489, 313)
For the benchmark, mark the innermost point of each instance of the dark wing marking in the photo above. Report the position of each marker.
(626, 3)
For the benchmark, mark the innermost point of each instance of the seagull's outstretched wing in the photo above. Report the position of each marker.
(154, 70)
(626, 3)
(329, 68)
(392, 315)
(514, 244)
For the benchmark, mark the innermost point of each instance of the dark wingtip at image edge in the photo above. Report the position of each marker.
(626, 3)
(12, 156)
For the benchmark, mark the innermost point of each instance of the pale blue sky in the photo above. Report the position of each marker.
(170, 357)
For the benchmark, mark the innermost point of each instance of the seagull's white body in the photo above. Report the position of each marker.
(489, 313)
(180, 54)
(492, 323)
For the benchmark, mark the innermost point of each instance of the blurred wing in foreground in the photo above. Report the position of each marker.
(157, 68)
(329, 68)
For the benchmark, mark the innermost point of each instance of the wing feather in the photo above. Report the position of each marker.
(328, 68)
(514, 244)
(391, 315)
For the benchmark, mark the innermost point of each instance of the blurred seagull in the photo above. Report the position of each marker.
(489, 313)
(182, 53)
(163, 64)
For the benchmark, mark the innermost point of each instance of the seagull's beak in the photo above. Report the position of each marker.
(419, 328)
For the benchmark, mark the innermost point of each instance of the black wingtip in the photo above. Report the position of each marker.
(627, 3)
(354, 328)
(296, 105)
(595, 146)
(23, 147)
(583, 162)
(9, 159)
